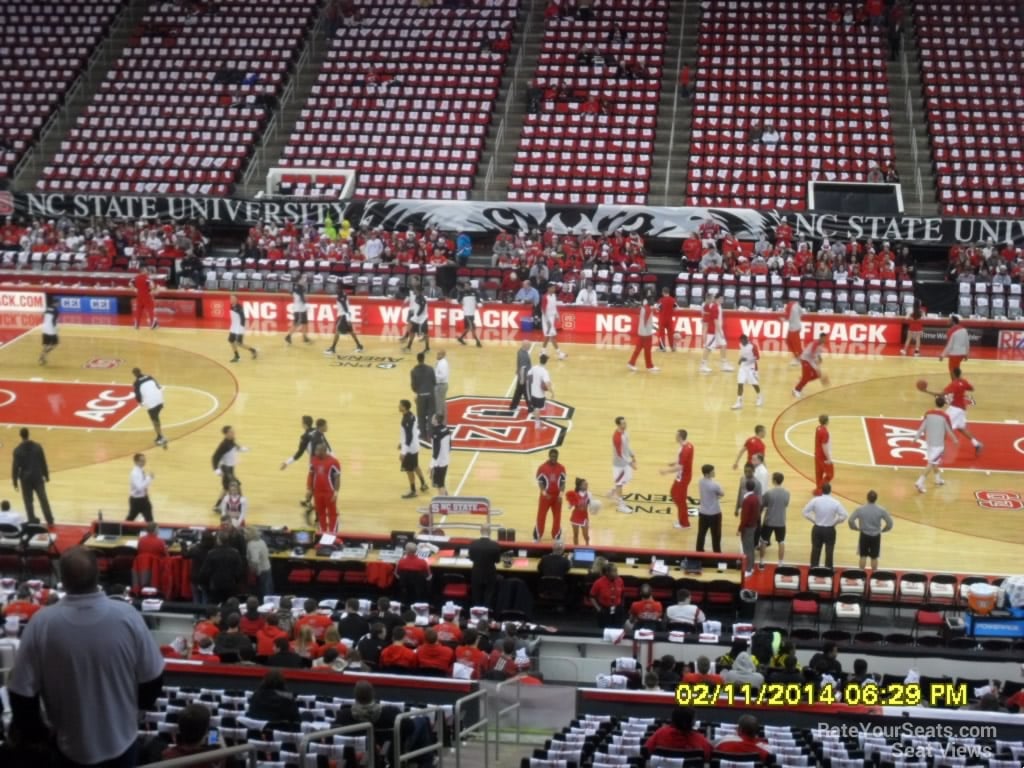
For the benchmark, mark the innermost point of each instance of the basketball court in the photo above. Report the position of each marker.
(81, 409)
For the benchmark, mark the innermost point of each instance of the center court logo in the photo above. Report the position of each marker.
(489, 424)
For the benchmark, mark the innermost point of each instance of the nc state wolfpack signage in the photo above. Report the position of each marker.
(493, 216)
(489, 424)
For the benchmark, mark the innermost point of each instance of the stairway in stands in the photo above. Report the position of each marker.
(91, 80)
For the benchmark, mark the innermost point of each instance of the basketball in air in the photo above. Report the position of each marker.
(595, 506)
(825, 380)
(424, 520)
(922, 385)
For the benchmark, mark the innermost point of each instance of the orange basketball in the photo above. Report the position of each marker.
(922, 385)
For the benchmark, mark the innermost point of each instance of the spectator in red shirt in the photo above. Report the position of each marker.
(313, 619)
(606, 597)
(433, 655)
(703, 673)
(267, 635)
(503, 661)
(746, 740)
(203, 651)
(646, 613)
(470, 654)
(678, 735)
(414, 634)
(22, 605)
(448, 631)
(411, 562)
(151, 544)
(398, 654)
(252, 621)
(331, 640)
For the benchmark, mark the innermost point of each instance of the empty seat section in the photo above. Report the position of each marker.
(181, 109)
(971, 71)
(43, 50)
(808, 102)
(588, 136)
(405, 97)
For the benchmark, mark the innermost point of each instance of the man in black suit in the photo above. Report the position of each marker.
(554, 565)
(30, 470)
(351, 625)
(483, 578)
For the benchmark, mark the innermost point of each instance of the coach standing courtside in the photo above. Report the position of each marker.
(138, 494)
(826, 513)
(30, 470)
(93, 664)
(523, 365)
(871, 521)
(423, 381)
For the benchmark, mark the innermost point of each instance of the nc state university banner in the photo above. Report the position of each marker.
(485, 217)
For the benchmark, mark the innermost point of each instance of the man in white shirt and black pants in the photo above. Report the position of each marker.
(441, 374)
(150, 395)
(236, 336)
(138, 495)
(826, 513)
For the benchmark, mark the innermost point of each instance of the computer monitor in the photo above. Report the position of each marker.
(108, 528)
(166, 535)
(303, 538)
(401, 538)
(584, 556)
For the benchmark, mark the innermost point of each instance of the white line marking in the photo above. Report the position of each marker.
(476, 454)
(867, 440)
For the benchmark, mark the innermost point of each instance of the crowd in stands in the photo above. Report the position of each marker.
(986, 263)
(101, 245)
(293, 634)
(711, 250)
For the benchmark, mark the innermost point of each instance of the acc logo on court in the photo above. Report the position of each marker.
(488, 424)
(999, 500)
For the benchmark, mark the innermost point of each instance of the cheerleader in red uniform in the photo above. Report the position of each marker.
(581, 505)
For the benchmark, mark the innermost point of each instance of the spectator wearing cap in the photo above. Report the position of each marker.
(448, 630)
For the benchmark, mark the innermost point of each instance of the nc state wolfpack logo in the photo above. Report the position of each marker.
(488, 424)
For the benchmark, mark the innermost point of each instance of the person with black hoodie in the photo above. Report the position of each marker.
(223, 570)
(272, 701)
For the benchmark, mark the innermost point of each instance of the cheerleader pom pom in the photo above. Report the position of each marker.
(595, 506)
